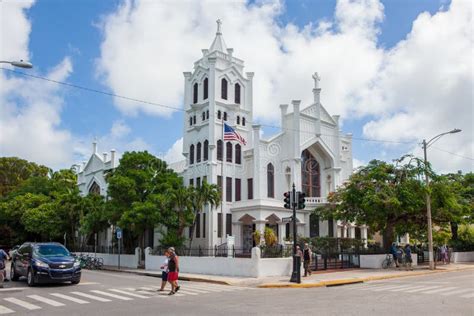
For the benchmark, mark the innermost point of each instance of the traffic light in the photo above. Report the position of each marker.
(287, 199)
(301, 200)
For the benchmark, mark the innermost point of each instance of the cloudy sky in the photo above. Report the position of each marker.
(396, 71)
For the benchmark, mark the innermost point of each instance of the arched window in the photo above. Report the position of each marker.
(206, 150)
(190, 121)
(203, 116)
(94, 189)
(237, 93)
(224, 89)
(243, 121)
(207, 114)
(219, 149)
(205, 91)
(225, 116)
(198, 152)
(191, 154)
(310, 175)
(238, 120)
(238, 154)
(195, 93)
(228, 152)
(270, 181)
(194, 119)
(219, 115)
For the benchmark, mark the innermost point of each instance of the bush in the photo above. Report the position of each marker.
(270, 237)
(465, 241)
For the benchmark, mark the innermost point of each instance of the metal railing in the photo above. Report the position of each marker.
(216, 251)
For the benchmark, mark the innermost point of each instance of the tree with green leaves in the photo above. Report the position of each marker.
(14, 171)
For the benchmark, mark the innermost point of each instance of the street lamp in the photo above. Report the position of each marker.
(21, 63)
(426, 144)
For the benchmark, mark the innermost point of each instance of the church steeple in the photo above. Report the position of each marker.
(218, 44)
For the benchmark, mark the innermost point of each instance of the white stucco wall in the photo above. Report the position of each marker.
(126, 261)
(375, 261)
(467, 256)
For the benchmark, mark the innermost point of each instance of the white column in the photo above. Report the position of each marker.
(296, 168)
(256, 162)
(281, 233)
(260, 225)
(363, 233)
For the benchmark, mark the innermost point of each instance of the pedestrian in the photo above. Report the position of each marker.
(444, 254)
(3, 257)
(307, 259)
(400, 256)
(408, 258)
(393, 252)
(173, 269)
(164, 271)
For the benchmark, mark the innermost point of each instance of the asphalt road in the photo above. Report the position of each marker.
(110, 293)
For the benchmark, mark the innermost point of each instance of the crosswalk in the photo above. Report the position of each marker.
(10, 305)
(426, 289)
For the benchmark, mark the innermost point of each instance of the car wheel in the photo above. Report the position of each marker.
(30, 278)
(75, 281)
(13, 275)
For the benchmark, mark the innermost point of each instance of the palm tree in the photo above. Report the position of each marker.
(181, 200)
(200, 196)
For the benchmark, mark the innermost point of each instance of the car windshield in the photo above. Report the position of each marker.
(51, 251)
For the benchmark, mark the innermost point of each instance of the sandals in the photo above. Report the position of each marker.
(171, 293)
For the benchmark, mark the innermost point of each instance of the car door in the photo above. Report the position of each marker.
(17, 261)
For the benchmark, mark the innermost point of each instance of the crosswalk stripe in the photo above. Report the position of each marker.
(69, 298)
(195, 290)
(128, 293)
(206, 288)
(423, 289)
(46, 300)
(187, 292)
(147, 288)
(4, 310)
(468, 295)
(92, 297)
(22, 303)
(440, 290)
(123, 298)
(407, 288)
(390, 287)
(456, 292)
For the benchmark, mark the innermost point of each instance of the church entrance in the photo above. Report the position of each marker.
(247, 237)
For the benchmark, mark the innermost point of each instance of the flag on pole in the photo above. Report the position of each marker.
(231, 134)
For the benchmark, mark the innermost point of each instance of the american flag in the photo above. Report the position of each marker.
(231, 134)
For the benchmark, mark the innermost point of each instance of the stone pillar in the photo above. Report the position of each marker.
(296, 165)
(212, 106)
(363, 233)
(317, 102)
(281, 232)
(256, 164)
(260, 225)
(249, 94)
(237, 233)
(283, 110)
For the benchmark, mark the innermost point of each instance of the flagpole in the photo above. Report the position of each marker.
(222, 182)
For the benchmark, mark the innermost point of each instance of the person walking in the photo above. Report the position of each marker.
(444, 254)
(3, 272)
(173, 269)
(393, 252)
(307, 259)
(408, 259)
(164, 271)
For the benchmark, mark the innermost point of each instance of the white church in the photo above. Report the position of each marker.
(310, 151)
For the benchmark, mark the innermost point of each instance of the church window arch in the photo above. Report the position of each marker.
(238, 154)
(205, 91)
(225, 116)
(224, 89)
(195, 93)
(237, 93)
(198, 152)
(191, 154)
(194, 119)
(206, 150)
(219, 115)
(243, 121)
(270, 180)
(207, 114)
(190, 121)
(228, 153)
(310, 175)
(203, 116)
(238, 120)
(94, 189)
(220, 148)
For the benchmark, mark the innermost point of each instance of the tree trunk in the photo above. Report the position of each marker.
(454, 230)
(192, 233)
(388, 235)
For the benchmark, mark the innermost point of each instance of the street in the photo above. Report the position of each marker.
(110, 293)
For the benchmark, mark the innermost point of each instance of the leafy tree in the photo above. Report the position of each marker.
(14, 171)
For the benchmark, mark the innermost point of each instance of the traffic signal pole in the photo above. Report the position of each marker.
(296, 274)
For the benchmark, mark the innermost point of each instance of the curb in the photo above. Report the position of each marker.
(355, 280)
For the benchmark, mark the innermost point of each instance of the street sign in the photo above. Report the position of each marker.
(287, 219)
(118, 231)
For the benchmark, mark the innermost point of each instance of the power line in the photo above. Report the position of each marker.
(454, 154)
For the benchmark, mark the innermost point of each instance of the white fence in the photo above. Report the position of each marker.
(126, 261)
(375, 261)
(467, 256)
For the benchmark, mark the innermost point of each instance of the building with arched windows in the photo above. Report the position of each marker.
(310, 151)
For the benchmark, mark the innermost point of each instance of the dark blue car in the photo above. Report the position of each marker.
(45, 263)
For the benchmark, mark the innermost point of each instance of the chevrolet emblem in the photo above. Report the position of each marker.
(62, 266)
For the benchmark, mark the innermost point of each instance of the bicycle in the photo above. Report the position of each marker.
(388, 261)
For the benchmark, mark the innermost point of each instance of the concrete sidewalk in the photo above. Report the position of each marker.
(318, 279)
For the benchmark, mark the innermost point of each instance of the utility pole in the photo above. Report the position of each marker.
(296, 274)
(428, 210)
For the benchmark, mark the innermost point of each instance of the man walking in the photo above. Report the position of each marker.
(307, 259)
(3, 257)
(173, 269)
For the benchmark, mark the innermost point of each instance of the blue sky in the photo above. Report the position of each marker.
(77, 30)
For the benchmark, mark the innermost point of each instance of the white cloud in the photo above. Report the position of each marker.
(119, 129)
(356, 163)
(174, 154)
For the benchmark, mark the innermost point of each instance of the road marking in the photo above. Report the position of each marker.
(128, 293)
(88, 283)
(424, 289)
(196, 290)
(440, 290)
(4, 310)
(123, 298)
(206, 288)
(69, 298)
(46, 300)
(187, 292)
(22, 303)
(12, 289)
(92, 297)
(468, 295)
(390, 287)
(456, 292)
(407, 288)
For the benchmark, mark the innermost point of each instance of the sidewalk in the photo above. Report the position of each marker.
(318, 279)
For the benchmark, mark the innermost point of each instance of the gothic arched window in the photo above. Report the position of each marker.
(190, 121)
(195, 93)
(191, 154)
(225, 116)
(205, 91)
(94, 189)
(219, 115)
(207, 114)
(194, 119)
(270, 181)
(198, 152)
(237, 93)
(238, 120)
(243, 121)
(228, 152)
(203, 116)
(238, 154)
(224, 89)
(206, 150)
(310, 175)
(219, 149)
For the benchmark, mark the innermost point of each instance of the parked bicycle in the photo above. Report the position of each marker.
(91, 263)
(388, 262)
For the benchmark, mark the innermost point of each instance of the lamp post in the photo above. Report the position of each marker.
(20, 64)
(426, 144)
